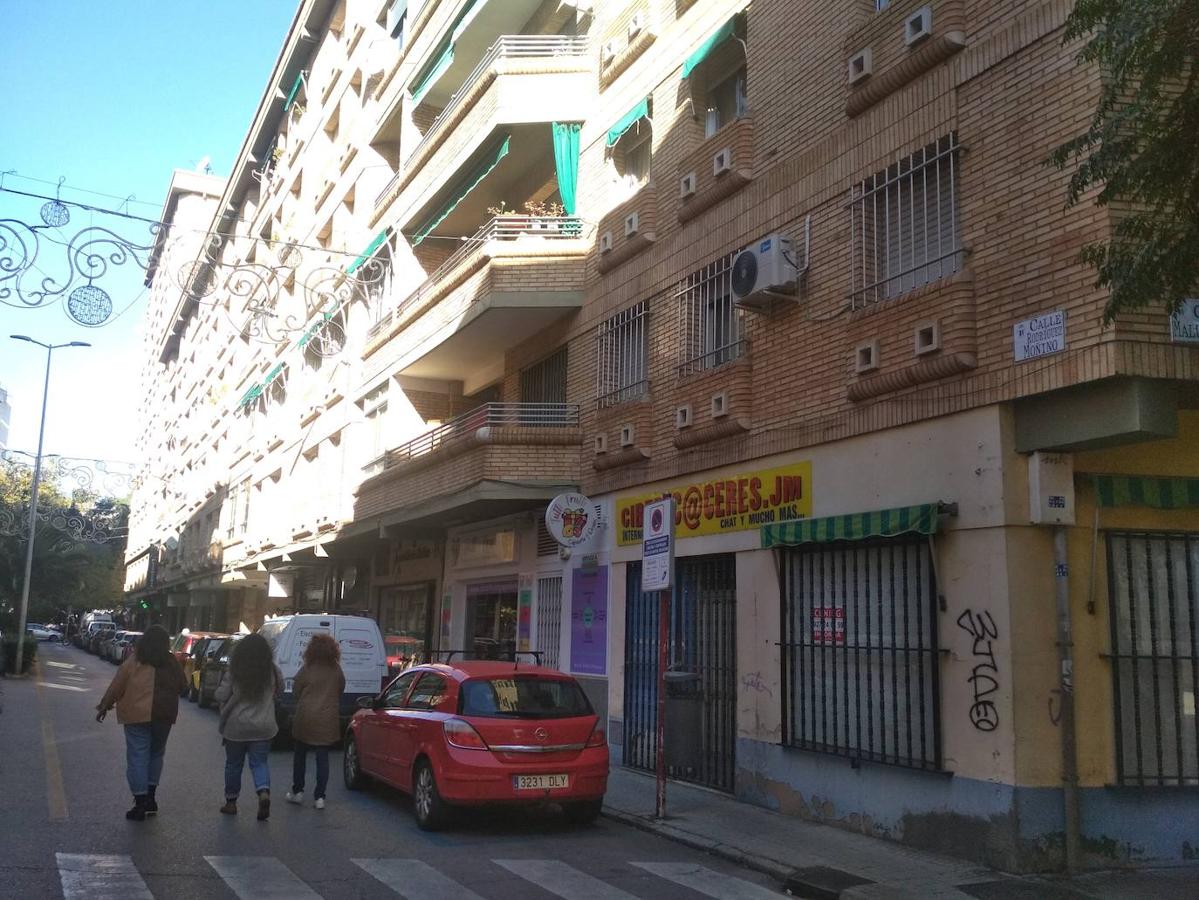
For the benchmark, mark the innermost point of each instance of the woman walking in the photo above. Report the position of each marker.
(247, 698)
(318, 688)
(146, 692)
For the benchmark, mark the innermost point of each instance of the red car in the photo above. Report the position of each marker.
(478, 733)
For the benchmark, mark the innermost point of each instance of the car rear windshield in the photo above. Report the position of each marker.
(523, 696)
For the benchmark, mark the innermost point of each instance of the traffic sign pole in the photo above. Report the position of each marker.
(663, 659)
(657, 575)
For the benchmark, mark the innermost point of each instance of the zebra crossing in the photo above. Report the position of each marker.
(114, 877)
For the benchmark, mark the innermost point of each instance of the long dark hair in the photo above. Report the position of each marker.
(252, 666)
(154, 647)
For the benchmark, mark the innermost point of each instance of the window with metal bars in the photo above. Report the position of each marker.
(622, 348)
(545, 382)
(860, 665)
(549, 619)
(1153, 592)
(904, 224)
(711, 331)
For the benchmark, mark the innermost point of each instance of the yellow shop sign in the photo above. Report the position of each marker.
(721, 505)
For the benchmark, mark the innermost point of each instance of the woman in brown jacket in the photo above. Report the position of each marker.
(316, 726)
(146, 692)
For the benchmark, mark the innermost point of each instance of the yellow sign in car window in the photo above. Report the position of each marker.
(505, 695)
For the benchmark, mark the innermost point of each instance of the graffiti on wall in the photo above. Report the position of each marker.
(984, 674)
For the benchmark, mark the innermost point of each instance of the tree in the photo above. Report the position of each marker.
(1141, 149)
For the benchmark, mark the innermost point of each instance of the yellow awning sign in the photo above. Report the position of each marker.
(722, 505)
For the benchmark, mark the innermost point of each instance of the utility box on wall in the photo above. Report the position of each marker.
(1051, 488)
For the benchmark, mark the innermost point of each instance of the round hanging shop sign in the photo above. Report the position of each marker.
(572, 519)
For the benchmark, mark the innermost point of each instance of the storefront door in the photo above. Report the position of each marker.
(702, 642)
(491, 620)
(406, 619)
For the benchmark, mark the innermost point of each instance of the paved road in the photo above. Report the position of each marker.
(64, 834)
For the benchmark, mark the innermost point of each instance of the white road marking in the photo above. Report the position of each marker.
(707, 882)
(564, 880)
(415, 879)
(99, 877)
(65, 687)
(260, 878)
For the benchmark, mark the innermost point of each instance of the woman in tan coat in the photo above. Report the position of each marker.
(145, 692)
(316, 726)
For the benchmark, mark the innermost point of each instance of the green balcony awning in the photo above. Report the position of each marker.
(441, 58)
(1145, 490)
(360, 260)
(324, 317)
(628, 120)
(251, 394)
(464, 186)
(921, 519)
(273, 374)
(722, 34)
(295, 90)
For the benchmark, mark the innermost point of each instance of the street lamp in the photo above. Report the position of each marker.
(37, 478)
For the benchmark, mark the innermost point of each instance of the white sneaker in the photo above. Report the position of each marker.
(320, 803)
(294, 798)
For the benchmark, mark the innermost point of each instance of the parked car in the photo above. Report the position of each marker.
(42, 632)
(362, 657)
(86, 634)
(216, 664)
(201, 651)
(181, 646)
(481, 732)
(104, 633)
(125, 646)
(109, 648)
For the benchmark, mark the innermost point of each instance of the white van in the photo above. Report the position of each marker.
(363, 658)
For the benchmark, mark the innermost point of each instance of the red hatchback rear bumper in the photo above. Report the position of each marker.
(478, 777)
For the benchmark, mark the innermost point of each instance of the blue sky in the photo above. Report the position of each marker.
(113, 96)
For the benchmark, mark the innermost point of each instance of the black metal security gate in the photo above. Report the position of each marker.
(1154, 600)
(702, 642)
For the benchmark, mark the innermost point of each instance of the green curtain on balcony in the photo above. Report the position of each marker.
(566, 163)
(722, 34)
(295, 90)
(628, 120)
(462, 187)
(920, 519)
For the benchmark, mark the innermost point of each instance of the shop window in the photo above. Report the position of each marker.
(1154, 598)
(491, 621)
(859, 652)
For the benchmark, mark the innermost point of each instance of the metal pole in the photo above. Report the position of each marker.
(663, 656)
(1065, 653)
(37, 478)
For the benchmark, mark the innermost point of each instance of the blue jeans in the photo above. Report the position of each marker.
(300, 765)
(260, 767)
(145, 744)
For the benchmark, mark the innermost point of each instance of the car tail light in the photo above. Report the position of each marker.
(598, 738)
(461, 734)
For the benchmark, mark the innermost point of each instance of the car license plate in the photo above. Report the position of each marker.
(540, 782)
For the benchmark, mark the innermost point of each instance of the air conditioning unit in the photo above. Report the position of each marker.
(763, 272)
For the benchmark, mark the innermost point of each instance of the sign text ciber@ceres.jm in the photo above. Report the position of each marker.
(719, 505)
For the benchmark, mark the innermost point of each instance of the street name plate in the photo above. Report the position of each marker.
(1039, 336)
(1184, 324)
(657, 546)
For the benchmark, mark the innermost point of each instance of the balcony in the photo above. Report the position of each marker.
(514, 277)
(497, 458)
(520, 80)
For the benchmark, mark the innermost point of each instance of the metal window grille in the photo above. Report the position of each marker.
(549, 619)
(545, 382)
(860, 664)
(904, 224)
(244, 518)
(711, 327)
(547, 544)
(1154, 596)
(622, 349)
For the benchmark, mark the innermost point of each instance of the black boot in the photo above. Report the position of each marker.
(151, 803)
(138, 813)
(264, 805)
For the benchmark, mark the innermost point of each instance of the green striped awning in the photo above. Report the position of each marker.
(295, 89)
(273, 374)
(920, 519)
(628, 120)
(325, 317)
(251, 394)
(463, 187)
(722, 34)
(1145, 490)
(366, 254)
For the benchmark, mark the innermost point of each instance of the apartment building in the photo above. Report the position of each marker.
(802, 267)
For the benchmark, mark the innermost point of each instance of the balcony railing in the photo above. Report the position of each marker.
(508, 46)
(501, 228)
(489, 415)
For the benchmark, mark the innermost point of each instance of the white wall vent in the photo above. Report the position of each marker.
(861, 66)
(865, 357)
(601, 443)
(720, 405)
(632, 223)
(606, 242)
(722, 161)
(927, 337)
(628, 436)
(636, 25)
(687, 185)
(682, 416)
(918, 26)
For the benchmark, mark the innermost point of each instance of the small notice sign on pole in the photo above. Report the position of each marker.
(1039, 336)
(1184, 324)
(657, 546)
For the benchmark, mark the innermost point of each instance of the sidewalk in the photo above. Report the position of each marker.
(819, 861)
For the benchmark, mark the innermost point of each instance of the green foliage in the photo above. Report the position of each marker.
(66, 571)
(1141, 149)
(9, 653)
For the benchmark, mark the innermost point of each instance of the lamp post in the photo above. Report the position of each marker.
(37, 478)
